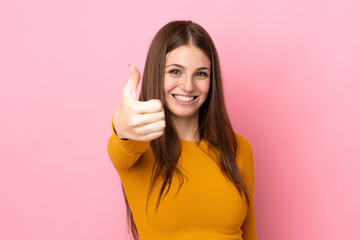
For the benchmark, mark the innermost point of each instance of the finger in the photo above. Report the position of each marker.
(151, 127)
(151, 106)
(153, 135)
(130, 88)
(147, 118)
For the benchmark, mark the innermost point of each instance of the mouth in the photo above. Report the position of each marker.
(183, 98)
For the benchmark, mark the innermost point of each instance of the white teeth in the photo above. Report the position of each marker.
(183, 98)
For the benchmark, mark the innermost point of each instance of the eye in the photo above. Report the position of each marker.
(201, 74)
(174, 72)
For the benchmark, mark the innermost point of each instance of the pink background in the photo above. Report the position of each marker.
(292, 82)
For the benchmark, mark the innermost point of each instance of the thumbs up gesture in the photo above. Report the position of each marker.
(138, 120)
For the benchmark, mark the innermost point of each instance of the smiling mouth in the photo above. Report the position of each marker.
(184, 98)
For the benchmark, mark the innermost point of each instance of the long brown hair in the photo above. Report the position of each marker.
(214, 123)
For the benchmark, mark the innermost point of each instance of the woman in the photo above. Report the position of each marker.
(185, 173)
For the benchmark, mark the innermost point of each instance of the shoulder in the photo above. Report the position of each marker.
(243, 143)
(244, 155)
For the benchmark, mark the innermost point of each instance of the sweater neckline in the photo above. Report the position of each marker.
(188, 141)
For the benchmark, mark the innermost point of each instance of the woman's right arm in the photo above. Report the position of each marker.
(137, 121)
(124, 153)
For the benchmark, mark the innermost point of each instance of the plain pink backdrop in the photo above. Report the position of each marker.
(292, 83)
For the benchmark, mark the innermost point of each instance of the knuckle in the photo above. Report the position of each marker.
(161, 115)
(133, 121)
(136, 131)
(157, 104)
(163, 124)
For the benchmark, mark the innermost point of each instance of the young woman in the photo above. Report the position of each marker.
(185, 173)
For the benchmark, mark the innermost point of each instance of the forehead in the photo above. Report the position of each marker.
(188, 56)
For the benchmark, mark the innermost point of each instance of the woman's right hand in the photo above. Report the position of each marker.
(138, 120)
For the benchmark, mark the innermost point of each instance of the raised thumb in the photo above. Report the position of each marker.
(133, 82)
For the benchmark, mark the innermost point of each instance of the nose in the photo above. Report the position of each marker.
(187, 84)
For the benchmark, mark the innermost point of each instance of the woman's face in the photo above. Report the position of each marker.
(186, 81)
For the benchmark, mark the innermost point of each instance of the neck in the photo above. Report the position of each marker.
(186, 128)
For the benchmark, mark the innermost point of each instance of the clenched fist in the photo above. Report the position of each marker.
(138, 120)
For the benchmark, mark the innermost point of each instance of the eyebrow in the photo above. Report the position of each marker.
(180, 66)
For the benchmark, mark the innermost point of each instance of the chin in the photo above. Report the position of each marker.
(182, 114)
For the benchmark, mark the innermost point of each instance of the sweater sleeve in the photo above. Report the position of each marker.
(248, 227)
(124, 153)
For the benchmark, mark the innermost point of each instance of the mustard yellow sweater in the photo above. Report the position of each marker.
(208, 205)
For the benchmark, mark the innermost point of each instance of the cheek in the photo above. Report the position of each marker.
(168, 85)
(204, 86)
